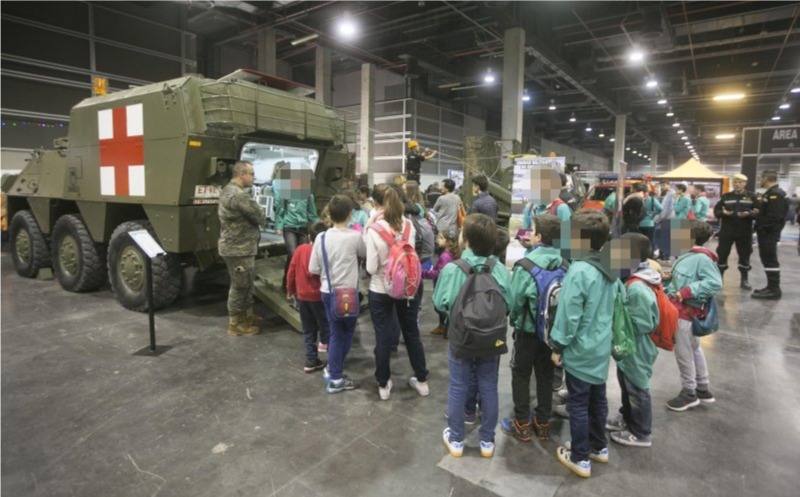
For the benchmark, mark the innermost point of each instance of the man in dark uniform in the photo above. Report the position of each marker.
(736, 211)
(769, 223)
(414, 159)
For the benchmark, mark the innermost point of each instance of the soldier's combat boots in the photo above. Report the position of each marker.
(253, 319)
(773, 288)
(239, 326)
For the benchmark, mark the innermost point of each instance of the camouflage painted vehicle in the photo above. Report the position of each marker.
(155, 157)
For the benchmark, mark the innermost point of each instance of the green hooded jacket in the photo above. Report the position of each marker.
(296, 214)
(452, 278)
(701, 208)
(696, 276)
(524, 294)
(582, 329)
(643, 309)
(682, 206)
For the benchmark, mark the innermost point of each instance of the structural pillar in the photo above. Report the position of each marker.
(266, 59)
(513, 81)
(619, 156)
(366, 145)
(653, 158)
(322, 75)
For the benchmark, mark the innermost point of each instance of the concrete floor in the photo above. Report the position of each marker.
(220, 416)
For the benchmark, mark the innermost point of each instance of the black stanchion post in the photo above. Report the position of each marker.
(151, 313)
(150, 250)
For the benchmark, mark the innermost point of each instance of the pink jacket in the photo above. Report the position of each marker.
(433, 273)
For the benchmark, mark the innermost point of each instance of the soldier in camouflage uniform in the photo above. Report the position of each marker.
(240, 219)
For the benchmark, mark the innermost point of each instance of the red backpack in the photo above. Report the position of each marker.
(664, 334)
(554, 205)
(403, 273)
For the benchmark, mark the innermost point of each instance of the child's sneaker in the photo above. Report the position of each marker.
(487, 449)
(420, 386)
(631, 440)
(561, 410)
(595, 455)
(322, 347)
(685, 400)
(340, 385)
(520, 431)
(312, 366)
(385, 392)
(616, 423)
(326, 375)
(541, 428)
(580, 468)
(456, 449)
(704, 395)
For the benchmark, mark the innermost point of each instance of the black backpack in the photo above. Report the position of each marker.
(478, 318)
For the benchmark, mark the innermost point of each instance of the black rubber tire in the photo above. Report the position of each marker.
(40, 253)
(167, 272)
(91, 273)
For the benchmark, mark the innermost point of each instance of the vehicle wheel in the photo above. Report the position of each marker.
(29, 249)
(78, 262)
(126, 271)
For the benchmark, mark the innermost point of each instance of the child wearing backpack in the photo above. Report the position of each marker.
(474, 292)
(306, 287)
(533, 278)
(581, 336)
(335, 259)
(451, 251)
(695, 281)
(393, 293)
(633, 425)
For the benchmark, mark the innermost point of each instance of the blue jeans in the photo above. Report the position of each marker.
(662, 238)
(314, 320)
(384, 310)
(341, 338)
(462, 372)
(637, 410)
(588, 410)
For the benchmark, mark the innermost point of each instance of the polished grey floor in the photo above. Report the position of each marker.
(220, 416)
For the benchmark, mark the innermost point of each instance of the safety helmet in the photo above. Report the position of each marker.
(413, 144)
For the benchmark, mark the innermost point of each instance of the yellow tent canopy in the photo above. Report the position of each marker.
(691, 169)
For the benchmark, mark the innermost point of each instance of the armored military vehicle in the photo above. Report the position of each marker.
(155, 157)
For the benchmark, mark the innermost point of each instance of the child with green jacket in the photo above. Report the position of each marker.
(530, 353)
(695, 281)
(581, 335)
(478, 241)
(633, 425)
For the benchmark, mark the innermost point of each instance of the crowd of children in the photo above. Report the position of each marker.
(565, 312)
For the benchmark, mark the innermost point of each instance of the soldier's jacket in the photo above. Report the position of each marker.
(736, 203)
(772, 210)
(240, 220)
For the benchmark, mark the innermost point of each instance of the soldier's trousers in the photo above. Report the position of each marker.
(744, 248)
(768, 251)
(242, 272)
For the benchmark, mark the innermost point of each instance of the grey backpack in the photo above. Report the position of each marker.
(478, 319)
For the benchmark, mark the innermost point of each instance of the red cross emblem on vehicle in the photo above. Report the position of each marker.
(121, 135)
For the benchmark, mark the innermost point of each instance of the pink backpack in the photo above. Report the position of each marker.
(403, 273)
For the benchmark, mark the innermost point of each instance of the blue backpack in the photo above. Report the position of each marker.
(548, 287)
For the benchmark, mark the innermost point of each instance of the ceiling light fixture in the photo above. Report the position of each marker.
(680, 132)
(662, 101)
(304, 39)
(601, 134)
(784, 105)
(676, 125)
(589, 128)
(670, 114)
(796, 89)
(552, 105)
(612, 140)
(526, 98)
(684, 137)
(651, 83)
(489, 78)
(628, 148)
(572, 118)
(728, 97)
(346, 28)
(776, 118)
(636, 55)
(725, 136)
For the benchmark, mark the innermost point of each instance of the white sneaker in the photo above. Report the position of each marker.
(580, 468)
(596, 456)
(385, 392)
(487, 449)
(420, 386)
(456, 449)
